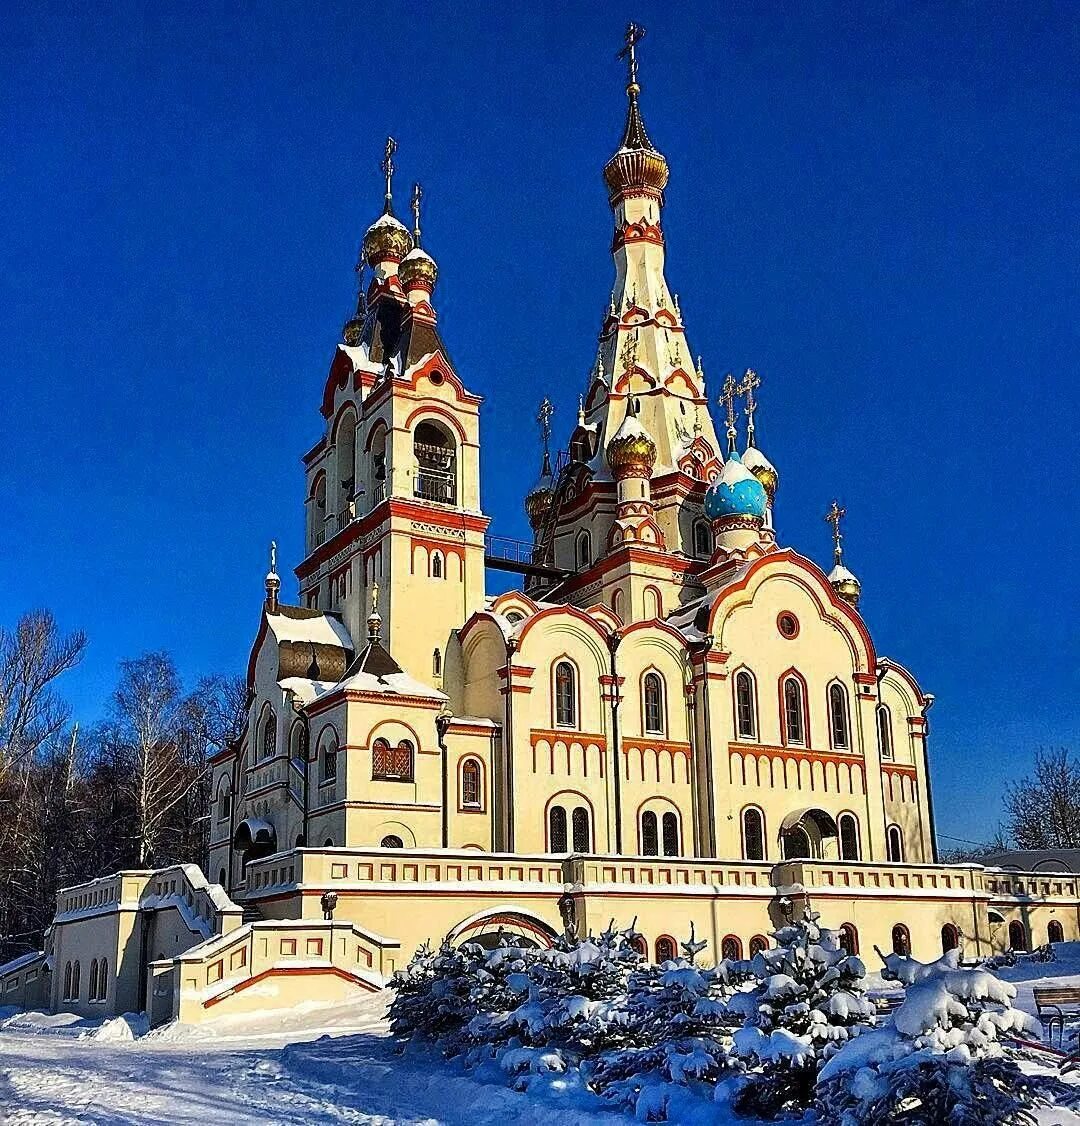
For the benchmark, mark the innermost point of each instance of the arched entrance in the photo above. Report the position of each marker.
(809, 834)
(254, 839)
(518, 926)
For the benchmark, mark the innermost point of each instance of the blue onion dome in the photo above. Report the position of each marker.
(736, 492)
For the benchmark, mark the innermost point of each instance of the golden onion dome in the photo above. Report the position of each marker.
(631, 452)
(846, 585)
(637, 166)
(386, 240)
(537, 504)
(762, 469)
(418, 270)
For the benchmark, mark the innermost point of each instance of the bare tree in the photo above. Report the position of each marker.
(1043, 809)
(32, 656)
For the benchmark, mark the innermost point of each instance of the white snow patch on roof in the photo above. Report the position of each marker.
(319, 630)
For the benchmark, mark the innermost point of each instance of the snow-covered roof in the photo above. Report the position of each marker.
(20, 962)
(841, 574)
(374, 670)
(310, 628)
(306, 690)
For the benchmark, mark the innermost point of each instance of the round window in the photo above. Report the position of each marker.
(788, 625)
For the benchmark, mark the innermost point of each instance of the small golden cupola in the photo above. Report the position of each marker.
(540, 496)
(387, 239)
(631, 451)
(636, 166)
(417, 270)
(752, 457)
(846, 585)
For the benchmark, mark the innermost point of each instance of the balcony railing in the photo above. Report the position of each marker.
(435, 485)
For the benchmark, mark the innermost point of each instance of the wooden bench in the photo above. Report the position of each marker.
(1054, 1003)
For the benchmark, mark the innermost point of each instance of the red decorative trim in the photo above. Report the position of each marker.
(787, 636)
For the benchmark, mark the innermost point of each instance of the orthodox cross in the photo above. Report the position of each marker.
(375, 600)
(727, 399)
(634, 35)
(750, 383)
(543, 417)
(387, 167)
(417, 196)
(833, 517)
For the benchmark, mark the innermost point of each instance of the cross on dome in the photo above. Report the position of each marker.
(834, 516)
(388, 169)
(417, 195)
(727, 399)
(634, 35)
(750, 383)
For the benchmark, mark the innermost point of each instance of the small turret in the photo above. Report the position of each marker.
(846, 585)
(272, 582)
(387, 240)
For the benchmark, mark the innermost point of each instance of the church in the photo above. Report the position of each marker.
(678, 718)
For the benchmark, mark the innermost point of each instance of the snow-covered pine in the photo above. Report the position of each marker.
(808, 1002)
(941, 1058)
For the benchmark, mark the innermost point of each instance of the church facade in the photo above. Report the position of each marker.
(678, 718)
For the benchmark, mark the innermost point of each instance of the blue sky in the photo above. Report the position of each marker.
(875, 206)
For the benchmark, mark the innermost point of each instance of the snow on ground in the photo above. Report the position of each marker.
(309, 1064)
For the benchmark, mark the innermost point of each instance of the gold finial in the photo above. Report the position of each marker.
(833, 517)
(374, 622)
(417, 196)
(634, 35)
(727, 400)
(387, 167)
(272, 582)
(750, 383)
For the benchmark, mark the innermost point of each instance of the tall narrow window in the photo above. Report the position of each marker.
(392, 764)
(91, 994)
(103, 980)
(849, 939)
(654, 704)
(671, 834)
(650, 837)
(269, 735)
(67, 982)
(745, 711)
(894, 844)
(731, 948)
(1055, 932)
(794, 716)
(436, 464)
(436, 565)
(1018, 940)
(75, 973)
(753, 828)
(557, 829)
(436, 663)
(884, 731)
(838, 717)
(950, 938)
(702, 539)
(581, 829)
(849, 836)
(665, 949)
(328, 756)
(565, 695)
(470, 784)
(901, 940)
(584, 549)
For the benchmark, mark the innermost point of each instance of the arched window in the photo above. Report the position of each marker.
(617, 602)
(580, 821)
(67, 982)
(1018, 940)
(796, 844)
(849, 836)
(436, 663)
(377, 454)
(670, 822)
(318, 511)
(639, 945)
(650, 837)
(75, 974)
(91, 994)
(654, 604)
(653, 689)
(392, 841)
(901, 940)
(557, 840)
(224, 807)
(884, 731)
(794, 711)
(665, 948)
(753, 834)
(1055, 932)
(222, 877)
(839, 730)
(328, 752)
(584, 549)
(392, 764)
(757, 944)
(703, 543)
(328, 843)
(731, 948)
(103, 980)
(269, 734)
(894, 844)
(436, 464)
(436, 565)
(848, 938)
(470, 784)
(745, 705)
(565, 695)
(514, 617)
(950, 938)
(298, 740)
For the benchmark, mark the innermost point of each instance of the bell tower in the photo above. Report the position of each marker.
(393, 486)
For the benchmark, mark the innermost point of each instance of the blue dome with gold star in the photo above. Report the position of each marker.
(736, 492)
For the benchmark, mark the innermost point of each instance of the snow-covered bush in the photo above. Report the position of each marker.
(808, 1002)
(940, 1059)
